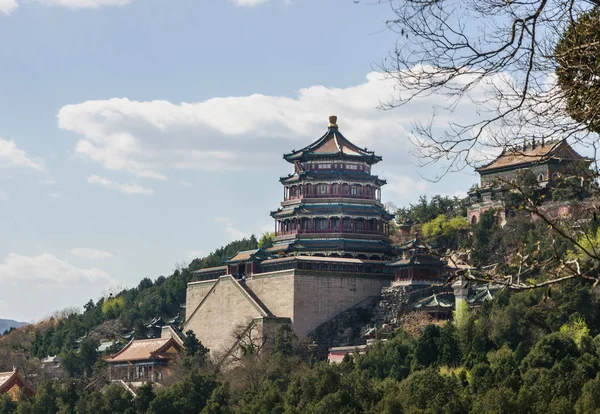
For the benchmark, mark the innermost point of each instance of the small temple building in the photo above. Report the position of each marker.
(13, 384)
(417, 266)
(145, 360)
(547, 161)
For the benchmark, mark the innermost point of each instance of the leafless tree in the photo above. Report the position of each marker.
(496, 54)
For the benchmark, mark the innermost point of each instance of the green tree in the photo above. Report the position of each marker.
(188, 396)
(266, 240)
(145, 395)
(577, 54)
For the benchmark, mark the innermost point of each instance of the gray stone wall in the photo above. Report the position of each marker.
(223, 312)
(307, 298)
(319, 298)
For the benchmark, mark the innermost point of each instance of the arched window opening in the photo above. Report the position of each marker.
(320, 224)
(347, 224)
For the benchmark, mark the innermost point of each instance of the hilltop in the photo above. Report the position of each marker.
(6, 324)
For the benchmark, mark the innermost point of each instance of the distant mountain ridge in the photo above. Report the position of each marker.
(6, 324)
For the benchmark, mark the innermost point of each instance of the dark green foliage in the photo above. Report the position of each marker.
(7, 406)
(438, 346)
(392, 359)
(484, 242)
(193, 346)
(145, 396)
(426, 210)
(428, 391)
(577, 71)
(188, 396)
(550, 350)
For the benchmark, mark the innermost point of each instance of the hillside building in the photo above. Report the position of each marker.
(417, 266)
(329, 253)
(13, 384)
(145, 360)
(547, 161)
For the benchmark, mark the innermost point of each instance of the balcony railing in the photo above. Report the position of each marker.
(328, 231)
(359, 196)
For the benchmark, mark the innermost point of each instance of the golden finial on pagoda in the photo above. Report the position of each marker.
(333, 121)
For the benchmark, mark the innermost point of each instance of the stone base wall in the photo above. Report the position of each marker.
(216, 309)
(320, 297)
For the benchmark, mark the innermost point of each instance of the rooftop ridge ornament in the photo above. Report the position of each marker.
(333, 121)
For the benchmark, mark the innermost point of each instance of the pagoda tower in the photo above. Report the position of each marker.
(332, 203)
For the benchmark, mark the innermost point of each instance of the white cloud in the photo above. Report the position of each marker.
(47, 269)
(8, 6)
(92, 254)
(405, 189)
(124, 188)
(83, 4)
(232, 231)
(10, 155)
(147, 139)
(153, 139)
(249, 3)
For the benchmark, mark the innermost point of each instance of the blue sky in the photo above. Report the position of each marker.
(137, 134)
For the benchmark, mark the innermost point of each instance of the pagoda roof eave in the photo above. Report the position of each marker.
(551, 152)
(332, 144)
(333, 176)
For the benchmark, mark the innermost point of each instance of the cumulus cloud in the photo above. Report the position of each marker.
(123, 188)
(47, 269)
(156, 139)
(83, 4)
(8, 6)
(147, 139)
(92, 254)
(10, 155)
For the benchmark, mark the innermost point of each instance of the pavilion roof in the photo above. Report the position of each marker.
(145, 349)
(551, 151)
(331, 144)
(246, 255)
(9, 379)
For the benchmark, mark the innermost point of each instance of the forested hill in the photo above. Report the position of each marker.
(6, 324)
(128, 310)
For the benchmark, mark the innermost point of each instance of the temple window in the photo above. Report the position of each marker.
(335, 223)
(324, 166)
(334, 188)
(345, 189)
(347, 224)
(304, 224)
(354, 191)
(359, 225)
(320, 224)
(321, 188)
(541, 178)
(351, 167)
